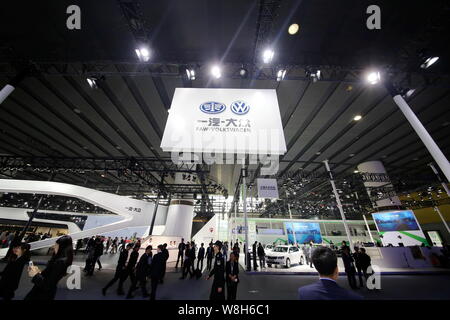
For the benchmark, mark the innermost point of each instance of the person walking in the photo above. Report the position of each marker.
(142, 271)
(232, 276)
(364, 262)
(254, 253)
(121, 264)
(114, 245)
(11, 274)
(156, 271)
(209, 256)
(356, 257)
(165, 254)
(310, 253)
(261, 256)
(187, 262)
(181, 249)
(200, 256)
(130, 268)
(45, 282)
(108, 244)
(218, 271)
(349, 267)
(192, 257)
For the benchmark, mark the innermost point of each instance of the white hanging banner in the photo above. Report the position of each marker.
(267, 188)
(243, 121)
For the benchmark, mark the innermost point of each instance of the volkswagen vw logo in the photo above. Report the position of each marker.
(212, 107)
(240, 107)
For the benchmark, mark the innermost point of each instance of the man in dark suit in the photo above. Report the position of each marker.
(325, 262)
(209, 256)
(156, 270)
(165, 254)
(232, 276)
(130, 269)
(200, 256)
(121, 263)
(181, 248)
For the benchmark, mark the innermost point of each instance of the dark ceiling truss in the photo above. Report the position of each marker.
(135, 19)
(79, 164)
(126, 174)
(267, 12)
(176, 69)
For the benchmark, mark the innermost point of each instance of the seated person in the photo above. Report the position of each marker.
(325, 261)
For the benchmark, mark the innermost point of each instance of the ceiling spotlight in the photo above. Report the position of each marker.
(268, 55)
(190, 74)
(92, 81)
(280, 74)
(356, 171)
(293, 28)
(314, 74)
(216, 72)
(373, 77)
(357, 117)
(143, 53)
(243, 73)
(408, 93)
(428, 62)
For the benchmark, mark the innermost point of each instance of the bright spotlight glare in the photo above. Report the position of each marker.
(428, 62)
(190, 74)
(280, 74)
(357, 117)
(215, 71)
(143, 54)
(373, 77)
(92, 82)
(268, 55)
(293, 28)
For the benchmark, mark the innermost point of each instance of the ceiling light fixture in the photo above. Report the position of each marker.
(143, 53)
(373, 77)
(190, 74)
(268, 55)
(280, 74)
(92, 81)
(293, 28)
(429, 62)
(216, 72)
(357, 117)
(243, 73)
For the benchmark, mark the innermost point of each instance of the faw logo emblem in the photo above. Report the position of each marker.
(212, 107)
(240, 107)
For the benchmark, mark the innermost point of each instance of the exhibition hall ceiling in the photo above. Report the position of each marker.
(56, 113)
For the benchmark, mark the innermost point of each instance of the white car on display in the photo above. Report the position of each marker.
(268, 248)
(285, 255)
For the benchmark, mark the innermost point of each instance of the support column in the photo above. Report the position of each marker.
(423, 134)
(10, 86)
(5, 92)
(339, 204)
(244, 199)
(377, 167)
(444, 185)
(368, 229)
(442, 218)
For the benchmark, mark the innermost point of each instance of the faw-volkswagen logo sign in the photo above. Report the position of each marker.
(212, 107)
(240, 107)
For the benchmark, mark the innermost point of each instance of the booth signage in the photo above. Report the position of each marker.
(224, 121)
(267, 188)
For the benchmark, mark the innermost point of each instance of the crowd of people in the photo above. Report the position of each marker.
(7, 237)
(137, 269)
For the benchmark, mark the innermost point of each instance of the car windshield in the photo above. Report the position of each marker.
(280, 249)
